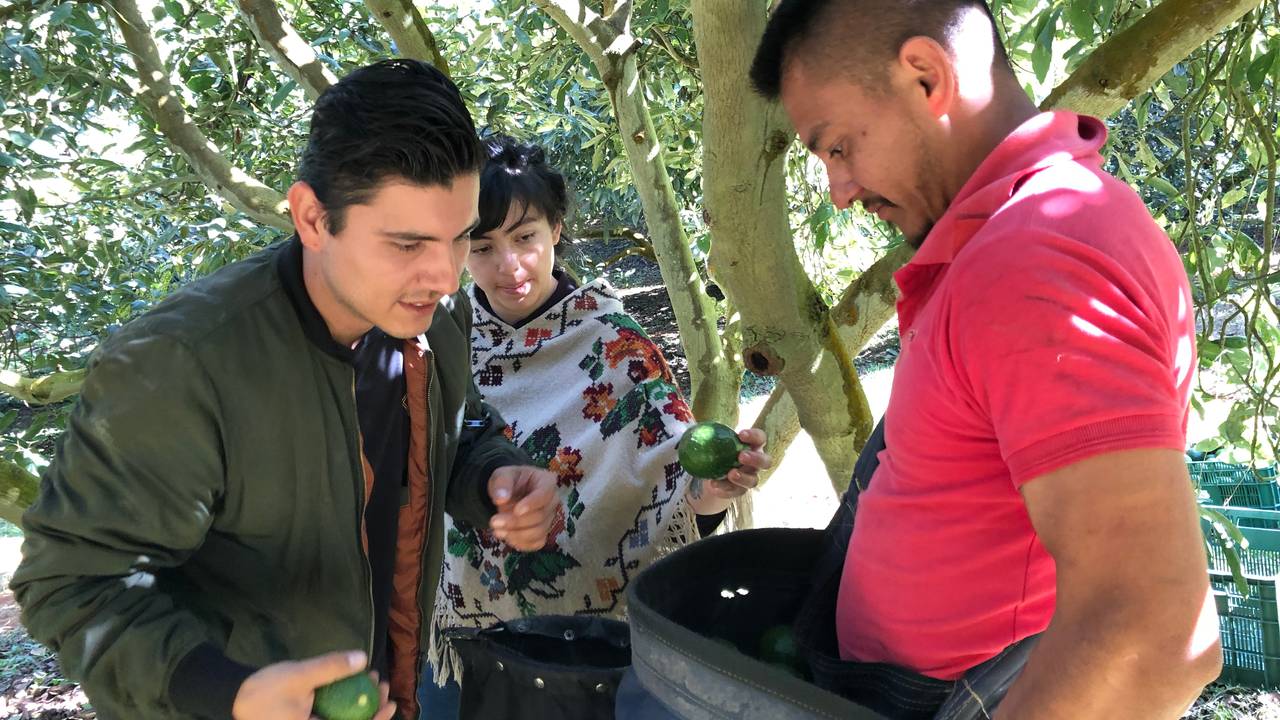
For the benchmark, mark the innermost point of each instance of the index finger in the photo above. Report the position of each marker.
(323, 669)
(541, 496)
(755, 437)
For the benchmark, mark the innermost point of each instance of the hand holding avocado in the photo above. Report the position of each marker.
(728, 462)
(322, 686)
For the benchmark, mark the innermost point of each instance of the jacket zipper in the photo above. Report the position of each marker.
(362, 533)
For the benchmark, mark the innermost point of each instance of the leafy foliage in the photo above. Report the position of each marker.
(100, 217)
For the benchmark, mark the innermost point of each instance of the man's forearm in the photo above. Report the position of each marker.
(1112, 668)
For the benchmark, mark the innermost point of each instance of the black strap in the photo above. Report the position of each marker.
(868, 459)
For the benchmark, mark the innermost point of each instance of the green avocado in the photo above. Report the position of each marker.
(352, 698)
(709, 450)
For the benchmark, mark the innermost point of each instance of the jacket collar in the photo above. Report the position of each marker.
(289, 268)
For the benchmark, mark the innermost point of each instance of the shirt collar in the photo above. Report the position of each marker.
(1041, 142)
(289, 268)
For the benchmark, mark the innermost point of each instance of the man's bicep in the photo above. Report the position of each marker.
(1128, 515)
(140, 468)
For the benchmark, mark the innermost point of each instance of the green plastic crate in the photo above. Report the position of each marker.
(1250, 626)
(1236, 485)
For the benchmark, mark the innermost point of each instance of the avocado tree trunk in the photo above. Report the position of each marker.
(714, 375)
(787, 330)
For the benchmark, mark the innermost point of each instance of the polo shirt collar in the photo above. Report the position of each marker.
(1043, 141)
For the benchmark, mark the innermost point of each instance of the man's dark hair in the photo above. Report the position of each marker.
(518, 173)
(392, 120)
(856, 36)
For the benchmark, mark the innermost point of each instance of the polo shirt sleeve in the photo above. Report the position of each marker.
(1070, 353)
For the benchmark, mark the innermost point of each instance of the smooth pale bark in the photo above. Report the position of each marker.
(287, 49)
(18, 489)
(786, 329)
(608, 41)
(43, 390)
(864, 308)
(1131, 61)
(157, 95)
(405, 25)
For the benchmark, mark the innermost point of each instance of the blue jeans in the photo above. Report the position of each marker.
(437, 703)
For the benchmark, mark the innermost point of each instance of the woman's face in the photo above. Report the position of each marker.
(512, 263)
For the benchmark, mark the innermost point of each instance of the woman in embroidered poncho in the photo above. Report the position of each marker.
(589, 396)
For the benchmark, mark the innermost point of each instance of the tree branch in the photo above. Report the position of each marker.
(289, 51)
(587, 28)
(787, 330)
(159, 98)
(18, 489)
(608, 42)
(1131, 61)
(686, 60)
(865, 306)
(45, 390)
(406, 27)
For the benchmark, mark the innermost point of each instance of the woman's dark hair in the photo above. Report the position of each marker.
(518, 173)
(392, 120)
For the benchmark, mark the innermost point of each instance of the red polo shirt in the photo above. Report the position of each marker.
(1044, 320)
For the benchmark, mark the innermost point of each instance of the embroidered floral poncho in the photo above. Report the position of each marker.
(590, 397)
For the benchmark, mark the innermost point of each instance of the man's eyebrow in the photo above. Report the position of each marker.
(814, 136)
(411, 236)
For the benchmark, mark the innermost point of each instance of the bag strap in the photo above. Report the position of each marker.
(868, 460)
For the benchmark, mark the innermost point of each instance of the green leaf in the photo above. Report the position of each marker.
(282, 93)
(60, 14)
(1164, 186)
(1260, 68)
(33, 61)
(201, 82)
(207, 20)
(1234, 195)
(1078, 15)
(7, 160)
(26, 202)
(7, 419)
(1108, 13)
(1229, 537)
(174, 9)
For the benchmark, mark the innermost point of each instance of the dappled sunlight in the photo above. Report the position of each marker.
(1183, 361)
(974, 52)
(1075, 187)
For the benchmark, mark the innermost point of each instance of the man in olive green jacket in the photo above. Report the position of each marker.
(246, 504)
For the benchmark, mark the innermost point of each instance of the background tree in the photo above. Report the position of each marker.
(142, 145)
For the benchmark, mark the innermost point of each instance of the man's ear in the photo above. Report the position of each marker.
(555, 233)
(309, 216)
(928, 67)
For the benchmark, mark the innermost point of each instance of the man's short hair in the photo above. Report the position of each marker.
(392, 120)
(860, 37)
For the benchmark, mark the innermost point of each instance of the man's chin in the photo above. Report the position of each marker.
(915, 236)
(406, 332)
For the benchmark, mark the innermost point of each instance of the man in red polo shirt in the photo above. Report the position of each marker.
(1033, 481)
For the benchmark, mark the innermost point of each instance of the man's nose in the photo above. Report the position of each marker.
(844, 191)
